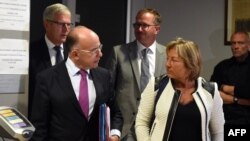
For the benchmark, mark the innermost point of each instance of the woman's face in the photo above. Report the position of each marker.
(175, 66)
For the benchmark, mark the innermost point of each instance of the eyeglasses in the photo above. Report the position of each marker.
(93, 51)
(143, 26)
(61, 24)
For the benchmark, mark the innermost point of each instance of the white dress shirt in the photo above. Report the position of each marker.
(75, 78)
(52, 52)
(151, 56)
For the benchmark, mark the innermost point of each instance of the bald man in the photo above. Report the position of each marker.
(57, 112)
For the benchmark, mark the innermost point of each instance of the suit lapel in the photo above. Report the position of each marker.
(160, 57)
(99, 81)
(40, 58)
(65, 52)
(45, 57)
(132, 51)
(65, 83)
(97, 84)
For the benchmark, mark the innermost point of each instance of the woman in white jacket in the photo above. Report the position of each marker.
(184, 107)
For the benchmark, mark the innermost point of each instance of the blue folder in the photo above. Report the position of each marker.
(104, 123)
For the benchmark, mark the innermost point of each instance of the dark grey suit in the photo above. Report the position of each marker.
(56, 112)
(123, 65)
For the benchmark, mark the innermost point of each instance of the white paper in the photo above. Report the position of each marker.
(12, 84)
(14, 15)
(14, 56)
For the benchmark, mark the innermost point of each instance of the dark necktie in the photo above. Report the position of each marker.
(83, 95)
(58, 54)
(144, 69)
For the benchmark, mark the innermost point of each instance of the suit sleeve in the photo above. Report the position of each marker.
(116, 115)
(111, 64)
(144, 115)
(40, 111)
(217, 118)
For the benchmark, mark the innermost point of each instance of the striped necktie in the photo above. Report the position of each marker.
(59, 57)
(145, 75)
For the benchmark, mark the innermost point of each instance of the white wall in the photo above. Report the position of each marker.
(197, 20)
(14, 87)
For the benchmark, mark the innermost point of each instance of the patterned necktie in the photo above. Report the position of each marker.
(83, 96)
(58, 54)
(144, 69)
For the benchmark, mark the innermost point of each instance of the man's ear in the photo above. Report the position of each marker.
(157, 29)
(74, 54)
(45, 24)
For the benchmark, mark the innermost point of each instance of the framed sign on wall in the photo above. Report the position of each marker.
(237, 17)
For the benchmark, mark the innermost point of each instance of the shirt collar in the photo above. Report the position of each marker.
(50, 44)
(152, 47)
(72, 68)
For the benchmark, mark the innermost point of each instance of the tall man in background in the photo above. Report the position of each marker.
(132, 64)
(49, 50)
(233, 78)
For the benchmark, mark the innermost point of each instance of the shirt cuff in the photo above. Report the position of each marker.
(115, 132)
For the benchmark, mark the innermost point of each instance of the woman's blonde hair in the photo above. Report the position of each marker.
(190, 53)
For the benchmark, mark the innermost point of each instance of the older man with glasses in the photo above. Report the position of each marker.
(49, 50)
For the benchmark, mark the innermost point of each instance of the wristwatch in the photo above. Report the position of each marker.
(235, 100)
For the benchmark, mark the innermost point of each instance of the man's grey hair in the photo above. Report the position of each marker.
(54, 9)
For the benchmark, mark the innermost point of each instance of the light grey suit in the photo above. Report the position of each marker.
(123, 64)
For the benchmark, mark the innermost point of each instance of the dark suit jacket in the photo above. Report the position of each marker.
(56, 113)
(123, 65)
(39, 60)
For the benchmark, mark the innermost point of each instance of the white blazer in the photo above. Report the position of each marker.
(210, 107)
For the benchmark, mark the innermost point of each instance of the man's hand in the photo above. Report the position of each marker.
(114, 138)
(228, 89)
(227, 98)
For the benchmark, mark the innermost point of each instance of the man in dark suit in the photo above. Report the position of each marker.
(57, 113)
(125, 64)
(57, 22)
